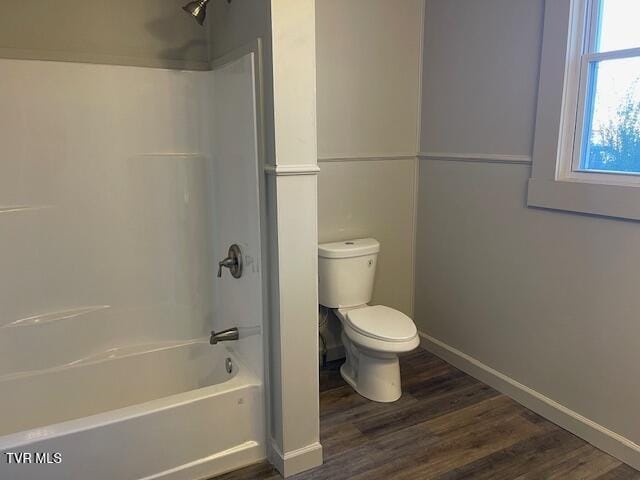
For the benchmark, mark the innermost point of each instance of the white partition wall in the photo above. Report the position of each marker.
(294, 249)
(286, 29)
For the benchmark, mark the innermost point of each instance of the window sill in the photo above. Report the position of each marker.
(620, 201)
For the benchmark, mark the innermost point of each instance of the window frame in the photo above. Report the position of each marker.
(568, 50)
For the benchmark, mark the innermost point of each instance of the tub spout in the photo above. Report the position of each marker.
(224, 335)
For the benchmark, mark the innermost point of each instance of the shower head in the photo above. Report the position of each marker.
(197, 9)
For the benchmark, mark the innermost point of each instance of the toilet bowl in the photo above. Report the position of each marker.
(373, 336)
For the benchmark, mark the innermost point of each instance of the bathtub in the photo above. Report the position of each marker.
(175, 411)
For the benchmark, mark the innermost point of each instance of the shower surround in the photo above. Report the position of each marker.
(120, 189)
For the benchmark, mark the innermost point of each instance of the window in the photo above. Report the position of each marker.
(586, 154)
(608, 129)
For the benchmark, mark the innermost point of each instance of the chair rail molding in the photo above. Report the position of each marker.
(365, 157)
(476, 157)
(292, 170)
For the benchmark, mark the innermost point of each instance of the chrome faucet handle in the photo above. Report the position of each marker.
(226, 263)
(233, 262)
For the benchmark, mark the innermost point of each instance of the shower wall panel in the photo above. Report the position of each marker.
(105, 215)
(234, 144)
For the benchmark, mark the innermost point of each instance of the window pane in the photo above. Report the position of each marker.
(612, 118)
(618, 25)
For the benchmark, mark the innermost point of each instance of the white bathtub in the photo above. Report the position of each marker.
(167, 412)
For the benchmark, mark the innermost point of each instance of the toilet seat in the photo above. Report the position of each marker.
(381, 323)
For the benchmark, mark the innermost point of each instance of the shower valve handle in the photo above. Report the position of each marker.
(233, 262)
(226, 263)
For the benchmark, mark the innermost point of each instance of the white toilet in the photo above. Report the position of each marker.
(373, 336)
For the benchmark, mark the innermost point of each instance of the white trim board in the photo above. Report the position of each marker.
(475, 157)
(419, 106)
(290, 170)
(366, 157)
(414, 232)
(444, 156)
(296, 461)
(592, 432)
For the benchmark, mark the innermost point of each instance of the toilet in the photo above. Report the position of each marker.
(373, 336)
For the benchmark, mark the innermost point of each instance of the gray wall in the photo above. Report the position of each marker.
(547, 298)
(374, 199)
(368, 57)
(154, 33)
(236, 24)
(286, 31)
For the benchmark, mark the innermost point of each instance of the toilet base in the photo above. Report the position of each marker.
(374, 375)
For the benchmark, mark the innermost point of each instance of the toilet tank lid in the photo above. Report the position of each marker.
(349, 248)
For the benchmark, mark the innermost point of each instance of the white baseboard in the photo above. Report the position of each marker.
(295, 461)
(594, 433)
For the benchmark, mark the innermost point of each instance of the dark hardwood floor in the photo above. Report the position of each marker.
(447, 425)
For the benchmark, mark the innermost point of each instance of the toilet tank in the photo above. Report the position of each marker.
(346, 271)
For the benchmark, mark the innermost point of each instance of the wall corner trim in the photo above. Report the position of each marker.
(296, 461)
(590, 431)
(289, 170)
(476, 157)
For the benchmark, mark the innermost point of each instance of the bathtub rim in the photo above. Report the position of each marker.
(243, 378)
